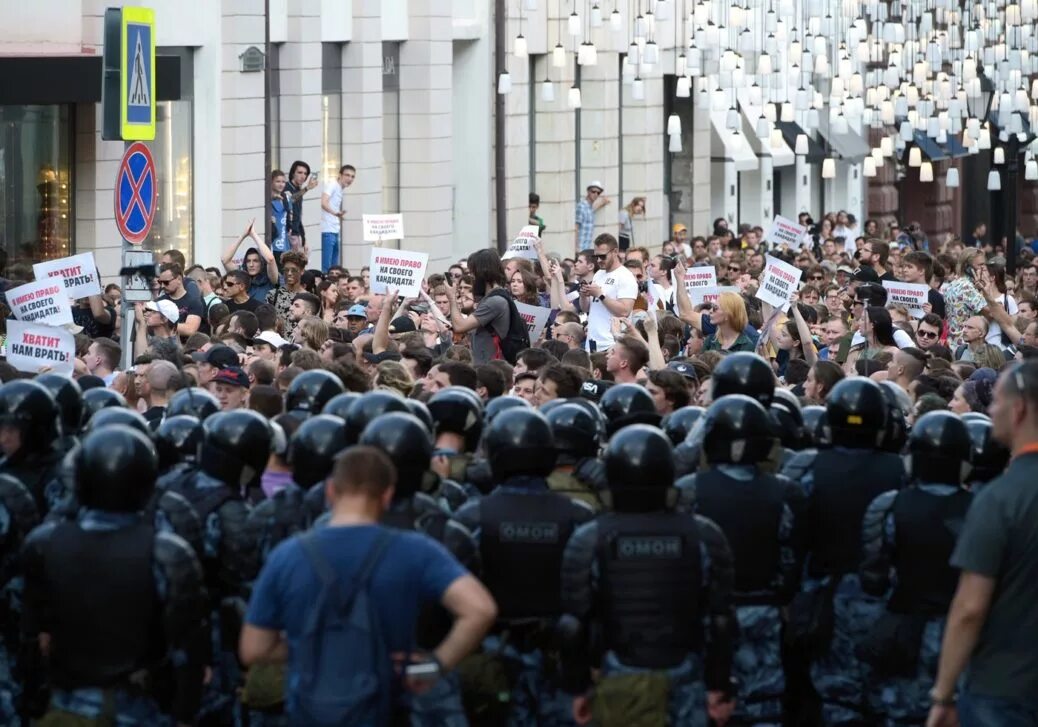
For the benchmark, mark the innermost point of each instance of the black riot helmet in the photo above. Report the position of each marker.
(31, 409)
(519, 442)
(367, 408)
(639, 464)
(788, 419)
(119, 415)
(339, 405)
(94, 400)
(737, 430)
(69, 397)
(421, 412)
(115, 469)
(235, 447)
(626, 404)
(679, 423)
(814, 426)
(899, 406)
(939, 446)
(177, 440)
(458, 410)
(314, 447)
(743, 373)
(503, 403)
(856, 413)
(310, 391)
(988, 456)
(407, 442)
(575, 430)
(194, 401)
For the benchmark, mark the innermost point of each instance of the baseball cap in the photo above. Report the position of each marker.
(377, 358)
(167, 308)
(828, 266)
(595, 184)
(678, 227)
(357, 311)
(684, 368)
(232, 375)
(219, 356)
(271, 338)
(845, 269)
(403, 324)
(593, 389)
(866, 274)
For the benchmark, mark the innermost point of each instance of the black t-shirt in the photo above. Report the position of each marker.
(936, 302)
(91, 326)
(250, 305)
(188, 305)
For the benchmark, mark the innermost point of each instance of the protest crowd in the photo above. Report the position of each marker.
(776, 475)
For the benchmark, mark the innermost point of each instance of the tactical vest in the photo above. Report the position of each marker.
(846, 481)
(749, 513)
(232, 565)
(926, 527)
(566, 483)
(650, 587)
(522, 541)
(106, 621)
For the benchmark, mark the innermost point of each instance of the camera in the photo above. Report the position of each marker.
(668, 262)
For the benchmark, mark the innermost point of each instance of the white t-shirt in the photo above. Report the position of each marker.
(331, 223)
(664, 295)
(994, 336)
(620, 284)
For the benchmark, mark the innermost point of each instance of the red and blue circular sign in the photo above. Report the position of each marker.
(136, 192)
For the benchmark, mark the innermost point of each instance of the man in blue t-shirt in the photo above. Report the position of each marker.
(413, 571)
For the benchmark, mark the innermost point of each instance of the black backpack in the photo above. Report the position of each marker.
(518, 336)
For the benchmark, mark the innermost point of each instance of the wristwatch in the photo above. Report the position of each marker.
(600, 299)
(939, 701)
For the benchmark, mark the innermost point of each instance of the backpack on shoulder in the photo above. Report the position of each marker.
(345, 670)
(518, 336)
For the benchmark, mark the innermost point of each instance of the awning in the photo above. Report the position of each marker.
(724, 146)
(782, 155)
(934, 151)
(790, 131)
(849, 147)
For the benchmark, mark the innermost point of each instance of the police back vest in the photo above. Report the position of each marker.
(846, 481)
(567, 483)
(106, 621)
(522, 541)
(234, 562)
(926, 527)
(749, 513)
(650, 587)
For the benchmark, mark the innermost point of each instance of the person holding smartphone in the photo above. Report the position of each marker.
(300, 181)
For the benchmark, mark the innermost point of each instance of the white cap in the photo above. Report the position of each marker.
(167, 308)
(596, 183)
(270, 337)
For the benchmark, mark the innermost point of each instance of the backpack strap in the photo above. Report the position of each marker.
(327, 574)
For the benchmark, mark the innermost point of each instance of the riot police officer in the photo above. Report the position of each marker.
(913, 531)
(678, 424)
(29, 423)
(577, 441)
(660, 605)
(18, 516)
(69, 398)
(311, 391)
(109, 656)
(989, 457)
(762, 518)
(522, 528)
(405, 439)
(627, 404)
(94, 400)
(840, 482)
(197, 403)
(457, 414)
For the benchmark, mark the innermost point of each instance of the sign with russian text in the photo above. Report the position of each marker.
(536, 318)
(522, 245)
(700, 277)
(31, 347)
(910, 295)
(703, 296)
(785, 232)
(778, 283)
(79, 272)
(383, 227)
(398, 269)
(44, 301)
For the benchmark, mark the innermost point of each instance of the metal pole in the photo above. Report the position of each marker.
(500, 195)
(268, 162)
(1010, 191)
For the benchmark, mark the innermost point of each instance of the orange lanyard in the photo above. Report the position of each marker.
(1026, 449)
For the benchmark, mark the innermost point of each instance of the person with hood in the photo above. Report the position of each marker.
(259, 264)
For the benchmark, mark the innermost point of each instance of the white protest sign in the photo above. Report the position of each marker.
(786, 232)
(911, 295)
(701, 296)
(536, 318)
(30, 347)
(398, 269)
(700, 277)
(79, 272)
(44, 301)
(778, 283)
(383, 227)
(522, 245)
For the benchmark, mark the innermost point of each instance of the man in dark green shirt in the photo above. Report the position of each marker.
(993, 624)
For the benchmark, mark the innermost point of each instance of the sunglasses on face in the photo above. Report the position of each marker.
(229, 284)
(927, 334)
(734, 269)
(601, 257)
(817, 277)
(164, 282)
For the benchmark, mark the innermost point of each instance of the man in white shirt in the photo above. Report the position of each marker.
(610, 294)
(332, 214)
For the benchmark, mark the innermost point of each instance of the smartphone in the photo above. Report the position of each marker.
(426, 671)
(313, 177)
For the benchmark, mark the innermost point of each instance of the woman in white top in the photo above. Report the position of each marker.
(626, 234)
(994, 280)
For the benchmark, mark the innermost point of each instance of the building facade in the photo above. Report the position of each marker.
(402, 89)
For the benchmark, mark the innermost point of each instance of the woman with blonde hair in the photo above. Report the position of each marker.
(311, 332)
(625, 237)
(393, 376)
(728, 314)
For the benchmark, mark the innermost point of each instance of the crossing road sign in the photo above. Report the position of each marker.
(136, 190)
(137, 77)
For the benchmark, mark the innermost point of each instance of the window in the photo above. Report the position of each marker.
(390, 127)
(35, 185)
(331, 111)
(173, 150)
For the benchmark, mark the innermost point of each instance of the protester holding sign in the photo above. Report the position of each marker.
(398, 269)
(33, 348)
(778, 283)
(490, 322)
(44, 302)
(78, 271)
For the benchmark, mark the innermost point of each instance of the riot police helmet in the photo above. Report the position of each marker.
(339, 405)
(788, 419)
(406, 441)
(988, 456)
(899, 406)
(737, 430)
(421, 411)
(939, 447)
(177, 440)
(679, 423)
(575, 430)
(458, 410)
(856, 413)
(313, 448)
(311, 390)
(503, 403)
(236, 446)
(743, 373)
(193, 401)
(814, 425)
(119, 415)
(639, 464)
(367, 408)
(30, 408)
(115, 469)
(627, 404)
(519, 442)
(69, 397)
(94, 400)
